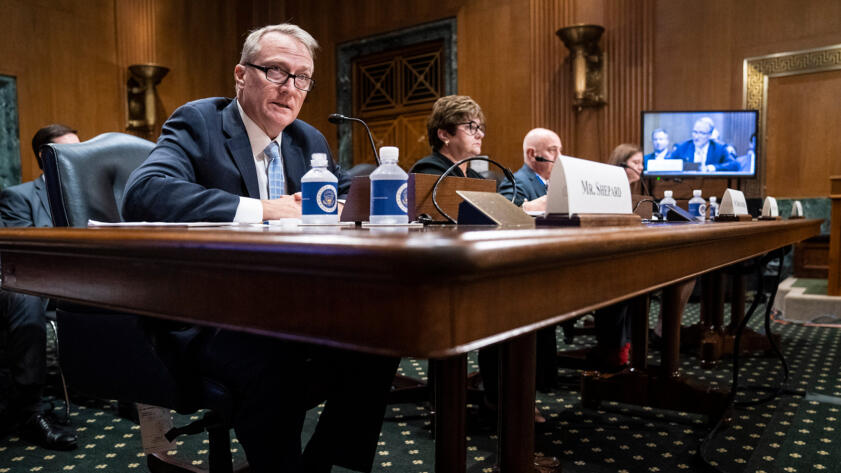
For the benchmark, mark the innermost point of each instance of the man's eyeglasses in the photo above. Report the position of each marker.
(279, 76)
(473, 127)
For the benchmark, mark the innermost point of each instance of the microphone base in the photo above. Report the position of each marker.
(588, 220)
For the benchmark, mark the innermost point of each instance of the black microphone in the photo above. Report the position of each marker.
(338, 118)
(642, 180)
(541, 159)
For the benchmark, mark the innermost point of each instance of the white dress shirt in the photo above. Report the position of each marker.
(700, 155)
(250, 210)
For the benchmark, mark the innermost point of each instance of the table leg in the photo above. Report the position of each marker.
(450, 397)
(517, 358)
(671, 314)
(737, 301)
(639, 332)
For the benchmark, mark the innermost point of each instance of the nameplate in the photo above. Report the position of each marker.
(579, 187)
(733, 203)
(660, 165)
(770, 211)
(796, 210)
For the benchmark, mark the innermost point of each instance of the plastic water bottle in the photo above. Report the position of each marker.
(667, 199)
(713, 207)
(697, 205)
(319, 193)
(389, 190)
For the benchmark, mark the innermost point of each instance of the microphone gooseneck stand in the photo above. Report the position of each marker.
(338, 118)
(505, 171)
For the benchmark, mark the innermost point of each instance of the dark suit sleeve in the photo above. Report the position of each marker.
(724, 160)
(166, 186)
(15, 209)
(506, 188)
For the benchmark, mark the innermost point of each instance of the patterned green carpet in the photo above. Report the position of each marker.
(791, 434)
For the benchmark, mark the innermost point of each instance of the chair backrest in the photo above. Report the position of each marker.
(86, 180)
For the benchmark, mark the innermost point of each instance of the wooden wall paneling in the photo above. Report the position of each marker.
(802, 145)
(630, 55)
(62, 55)
(628, 44)
(70, 57)
(551, 88)
(201, 53)
(492, 65)
(352, 21)
(495, 70)
(700, 48)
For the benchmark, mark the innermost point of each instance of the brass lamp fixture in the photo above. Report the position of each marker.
(141, 95)
(588, 64)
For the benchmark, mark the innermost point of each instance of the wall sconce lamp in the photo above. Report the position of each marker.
(141, 96)
(588, 64)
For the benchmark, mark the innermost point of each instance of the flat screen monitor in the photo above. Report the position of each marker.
(699, 143)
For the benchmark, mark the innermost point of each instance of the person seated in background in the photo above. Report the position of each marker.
(242, 160)
(702, 152)
(613, 323)
(747, 161)
(27, 205)
(23, 321)
(533, 177)
(629, 157)
(23, 346)
(660, 143)
(455, 130)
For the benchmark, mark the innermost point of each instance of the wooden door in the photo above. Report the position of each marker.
(393, 91)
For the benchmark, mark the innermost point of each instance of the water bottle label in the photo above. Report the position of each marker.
(695, 210)
(319, 198)
(389, 197)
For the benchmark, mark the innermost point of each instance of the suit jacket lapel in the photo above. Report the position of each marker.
(536, 184)
(41, 190)
(239, 148)
(294, 161)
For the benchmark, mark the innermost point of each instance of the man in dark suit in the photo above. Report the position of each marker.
(541, 147)
(23, 348)
(242, 160)
(660, 143)
(22, 317)
(26, 205)
(702, 153)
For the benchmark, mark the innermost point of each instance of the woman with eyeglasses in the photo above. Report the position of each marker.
(455, 131)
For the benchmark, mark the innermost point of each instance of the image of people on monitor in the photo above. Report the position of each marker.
(699, 143)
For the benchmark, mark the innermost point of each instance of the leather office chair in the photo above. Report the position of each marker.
(116, 355)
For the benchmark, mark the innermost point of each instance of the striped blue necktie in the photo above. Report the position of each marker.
(277, 184)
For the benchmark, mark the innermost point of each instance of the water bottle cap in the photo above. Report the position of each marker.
(696, 192)
(389, 153)
(318, 159)
(667, 193)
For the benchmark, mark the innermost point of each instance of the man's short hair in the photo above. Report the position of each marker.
(707, 121)
(251, 46)
(47, 135)
(447, 113)
(659, 130)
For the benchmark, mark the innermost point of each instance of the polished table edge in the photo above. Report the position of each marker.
(442, 280)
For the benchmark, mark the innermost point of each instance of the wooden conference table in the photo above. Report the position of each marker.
(434, 293)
